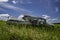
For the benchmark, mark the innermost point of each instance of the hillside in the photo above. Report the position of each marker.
(23, 32)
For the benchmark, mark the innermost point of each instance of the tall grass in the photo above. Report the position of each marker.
(28, 32)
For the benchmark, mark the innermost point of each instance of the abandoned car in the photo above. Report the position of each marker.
(27, 19)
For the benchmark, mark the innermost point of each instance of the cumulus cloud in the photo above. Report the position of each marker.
(14, 1)
(52, 19)
(3, 0)
(46, 16)
(4, 15)
(20, 17)
(49, 19)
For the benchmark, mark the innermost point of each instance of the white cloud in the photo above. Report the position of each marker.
(6, 5)
(49, 19)
(57, 9)
(25, 2)
(52, 19)
(3, 0)
(14, 1)
(46, 16)
(20, 17)
(4, 15)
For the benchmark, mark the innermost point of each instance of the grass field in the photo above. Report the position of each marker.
(23, 32)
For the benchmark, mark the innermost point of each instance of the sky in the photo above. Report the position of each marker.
(48, 9)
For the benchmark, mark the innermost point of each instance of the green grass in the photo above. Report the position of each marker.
(24, 32)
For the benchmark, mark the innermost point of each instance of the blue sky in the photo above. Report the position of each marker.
(48, 8)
